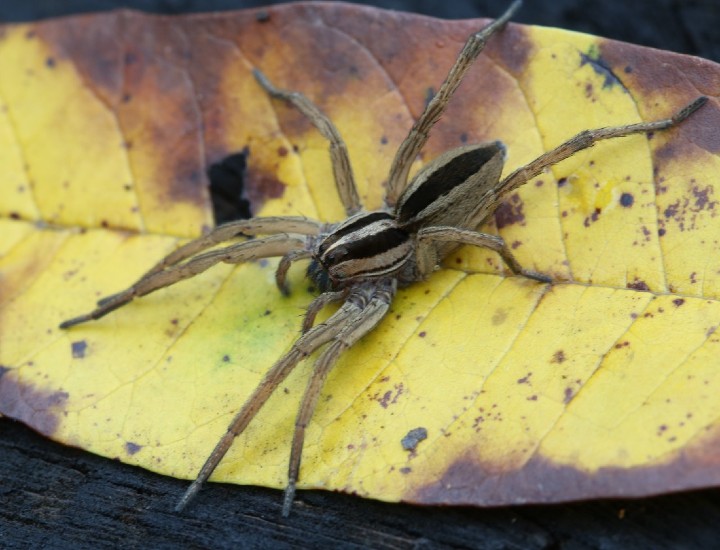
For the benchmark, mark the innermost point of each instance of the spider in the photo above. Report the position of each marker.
(363, 260)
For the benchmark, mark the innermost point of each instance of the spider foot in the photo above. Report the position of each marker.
(541, 277)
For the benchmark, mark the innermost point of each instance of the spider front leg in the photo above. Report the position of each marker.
(427, 258)
(588, 138)
(342, 170)
(274, 245)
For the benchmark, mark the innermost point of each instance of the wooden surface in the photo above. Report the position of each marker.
(57, 497)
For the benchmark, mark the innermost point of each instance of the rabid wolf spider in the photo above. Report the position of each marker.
(362, 260)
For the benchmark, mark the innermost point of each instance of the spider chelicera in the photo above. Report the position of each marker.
(362, 260)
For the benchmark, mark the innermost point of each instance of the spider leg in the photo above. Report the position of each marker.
(302, 348)
(342, 170)
(373, 303)
(320, 302)
(275, 245)
(227, 231)
(419, 133)
(427, 258)
(588, 138)
(283, 267)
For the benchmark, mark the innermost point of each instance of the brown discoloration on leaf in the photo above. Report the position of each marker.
(684, 212)
(24, 402)
(510, 212)
(512, 49)
(469, 481)
(91, 44)
(675, 78)
(261, 186)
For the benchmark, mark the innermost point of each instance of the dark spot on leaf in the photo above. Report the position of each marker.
(678, 302)
(388, 398)
(405, 470)
(568, 395)
(525, 379)
(383, 140)
(412, 438)
(78, 349)
(561, 182)
(532, 398)
(558, 357)
(620, 345)
(132, 448)
(226, 358)
(638, 284)
(661, 232)
(227, 185)
(282, 151)
(627, 200)
(50, 62)
(422, 334)
(510, 212)
(499, 317)
(592, 218)
(601, 68)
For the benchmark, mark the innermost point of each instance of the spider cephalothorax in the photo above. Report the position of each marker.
(361, 261)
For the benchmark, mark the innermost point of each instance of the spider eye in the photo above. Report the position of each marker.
(335, 256)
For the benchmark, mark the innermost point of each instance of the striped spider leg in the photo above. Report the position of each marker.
(363, 260)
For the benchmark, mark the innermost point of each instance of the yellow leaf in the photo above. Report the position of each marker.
(604, 384)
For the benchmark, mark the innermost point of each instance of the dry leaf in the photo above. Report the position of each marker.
(603, 385)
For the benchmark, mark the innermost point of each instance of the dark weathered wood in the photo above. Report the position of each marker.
(56, 497)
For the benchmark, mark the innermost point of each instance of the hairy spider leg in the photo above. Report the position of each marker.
(350, 314)
(372, 301)
(585, 139)
(427, 259)
(274, 245)
(342, 170)
(419, 133)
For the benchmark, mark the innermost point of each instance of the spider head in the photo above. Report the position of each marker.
(369, 245)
